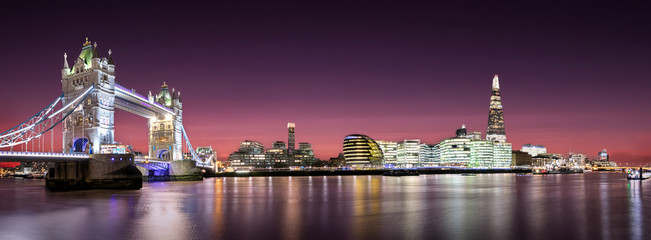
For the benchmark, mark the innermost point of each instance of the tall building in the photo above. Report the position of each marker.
(495, 131)
(361, 150)
(165, 134)
(291, 140)
(91, 125)
(603, 155)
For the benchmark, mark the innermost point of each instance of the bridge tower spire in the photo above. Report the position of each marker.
(91, 125)
(166, 130)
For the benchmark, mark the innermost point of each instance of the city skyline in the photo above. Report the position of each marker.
(387, 76)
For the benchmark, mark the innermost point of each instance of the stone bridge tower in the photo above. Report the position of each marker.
(165, 133)
(91, 124)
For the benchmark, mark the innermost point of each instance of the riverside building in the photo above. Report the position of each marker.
(252, 154)
(249, 155)
(389, 150)
(362, 151)
(495, 131)
(407, 153)
(466, 151)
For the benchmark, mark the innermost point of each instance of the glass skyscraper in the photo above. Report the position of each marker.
(495, 131)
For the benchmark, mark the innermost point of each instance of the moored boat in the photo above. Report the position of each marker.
(399, 173)
(638, 174)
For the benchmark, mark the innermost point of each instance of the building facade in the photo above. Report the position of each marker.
(291, 127)
(495, 131)
(165, 133)
(407, 153)
(91, 125)
(389, 149)
(249, 155)
(533, 150)
(362, 151)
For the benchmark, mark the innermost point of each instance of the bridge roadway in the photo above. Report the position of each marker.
(7, 156)
(130, 101)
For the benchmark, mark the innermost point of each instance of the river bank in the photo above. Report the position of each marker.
(359, 172)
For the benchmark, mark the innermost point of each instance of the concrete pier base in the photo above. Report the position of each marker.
(185, 170)
(101, 171)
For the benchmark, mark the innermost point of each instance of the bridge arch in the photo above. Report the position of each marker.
(163, 154)
(80, 144)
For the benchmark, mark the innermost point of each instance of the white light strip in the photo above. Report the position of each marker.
(142, 99)
(41, 154)
(32, 125)
(83, 95)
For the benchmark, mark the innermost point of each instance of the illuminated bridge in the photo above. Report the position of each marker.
(85, 113)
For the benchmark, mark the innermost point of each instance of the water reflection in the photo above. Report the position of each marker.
(495, 206)
(636, 209)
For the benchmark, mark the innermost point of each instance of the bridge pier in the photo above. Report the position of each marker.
(181, 170)
(185, 170)
(101, 171)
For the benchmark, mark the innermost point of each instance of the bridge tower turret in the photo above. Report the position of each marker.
(91, 124)
(165, 130)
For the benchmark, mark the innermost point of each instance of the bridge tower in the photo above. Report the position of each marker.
(91, 124)
(165, 130)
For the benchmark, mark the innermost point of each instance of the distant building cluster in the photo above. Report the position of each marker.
(252, 154)
(463, 150)
(536, 156)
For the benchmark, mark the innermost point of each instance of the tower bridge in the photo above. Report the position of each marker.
(86, 116)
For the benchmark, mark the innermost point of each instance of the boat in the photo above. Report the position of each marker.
(399, 173)
(638, 174)
(468, 174)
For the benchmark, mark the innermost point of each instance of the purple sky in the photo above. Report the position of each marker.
(573, 77)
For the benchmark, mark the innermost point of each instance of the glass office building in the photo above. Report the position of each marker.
(362, 151)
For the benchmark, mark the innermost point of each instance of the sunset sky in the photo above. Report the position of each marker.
(573, 77)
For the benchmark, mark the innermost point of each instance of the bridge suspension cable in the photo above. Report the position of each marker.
(195, 156)
(42, 122)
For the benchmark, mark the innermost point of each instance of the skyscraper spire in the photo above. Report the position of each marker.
(496, 82)
(495, 131)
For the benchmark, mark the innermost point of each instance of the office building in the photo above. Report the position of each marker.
(250, 155)
(427, 156)
(495, 131)
(407, 153)
(290, 138)
(304, 156)
(389, 151)
(362, 151)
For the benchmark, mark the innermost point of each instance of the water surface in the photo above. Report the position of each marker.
(488, 206)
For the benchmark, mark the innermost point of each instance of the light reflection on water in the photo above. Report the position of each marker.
(495, 206)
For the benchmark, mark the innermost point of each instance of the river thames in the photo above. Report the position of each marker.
(485, 206)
